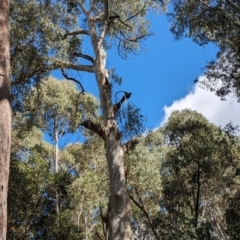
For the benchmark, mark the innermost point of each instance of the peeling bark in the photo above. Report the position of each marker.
(5, 115)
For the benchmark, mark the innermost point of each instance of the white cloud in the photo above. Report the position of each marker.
(207, 103)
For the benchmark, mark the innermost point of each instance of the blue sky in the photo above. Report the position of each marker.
(161, 73)
(161, 78)
(164, 71)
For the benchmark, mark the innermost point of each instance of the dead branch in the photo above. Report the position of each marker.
(126, 96)
(87, 57)
(137, 13)
(96, 128)
(74, 33)
(58, 63)
(73, 79)
(142, 208)
(130, 145)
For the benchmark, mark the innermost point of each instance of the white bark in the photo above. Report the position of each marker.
(119, 212)
(56, 130)
(56, 164)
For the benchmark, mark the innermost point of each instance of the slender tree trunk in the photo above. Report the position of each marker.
(5, 114)
(56, 130)
(198, 196)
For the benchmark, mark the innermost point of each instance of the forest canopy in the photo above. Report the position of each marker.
(117, 179)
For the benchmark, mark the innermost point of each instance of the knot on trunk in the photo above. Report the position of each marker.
(130, 145)
(115, 132)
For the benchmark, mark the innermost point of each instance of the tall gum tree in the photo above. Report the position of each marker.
(107, 23)
(5, 114)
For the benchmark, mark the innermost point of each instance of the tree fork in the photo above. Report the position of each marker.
(5, 115)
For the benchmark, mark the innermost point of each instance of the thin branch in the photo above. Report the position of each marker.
(98, 235)
(125, 97)
(79, 32)
(137, 13)
(104, 22)
(134, 39)
(89, 58)
(96, 128)
(112, 18)
(130, 145)
(142, 208)
(121, 21)
(84, 68)
(104, 218)
(72, 79)
(106, 15)
(81, 5)
(73, 167)
(233, 5)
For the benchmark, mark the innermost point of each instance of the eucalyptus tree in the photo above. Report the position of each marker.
(197, 175)
(107, 23)
(89, 192)
(218, 22)
(143, 166)
(5, 116)
(37, 29)
(58, 108)
(32, 212)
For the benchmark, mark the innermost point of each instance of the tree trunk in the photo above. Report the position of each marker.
(56, 130)
(119, 212)
(5, 114)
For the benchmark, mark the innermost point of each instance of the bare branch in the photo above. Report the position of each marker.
(142, 208)
(121, 21)
(125, 97)
(134, 39)
(72, 79)
(98, 235)
(79, 32)
(81, 5)
(130, 145)
(106, 15)
(104, 217)
(112, 18)
(89, 58)
(96, 128)
(84, 68)
(137, 13)
(104, 22)
(233, 5)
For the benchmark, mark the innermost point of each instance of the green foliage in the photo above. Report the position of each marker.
(207, 21)
(54, 102)
(131, 121)
(233, 216)
(37, 35)
(196, 173)
(212, 21)
(181, 179)
(144, 181)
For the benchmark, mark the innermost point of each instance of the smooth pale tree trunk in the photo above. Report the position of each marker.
(118, 217)
(56, 131)
(119, 212)
(56, 138)
(5, 114)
